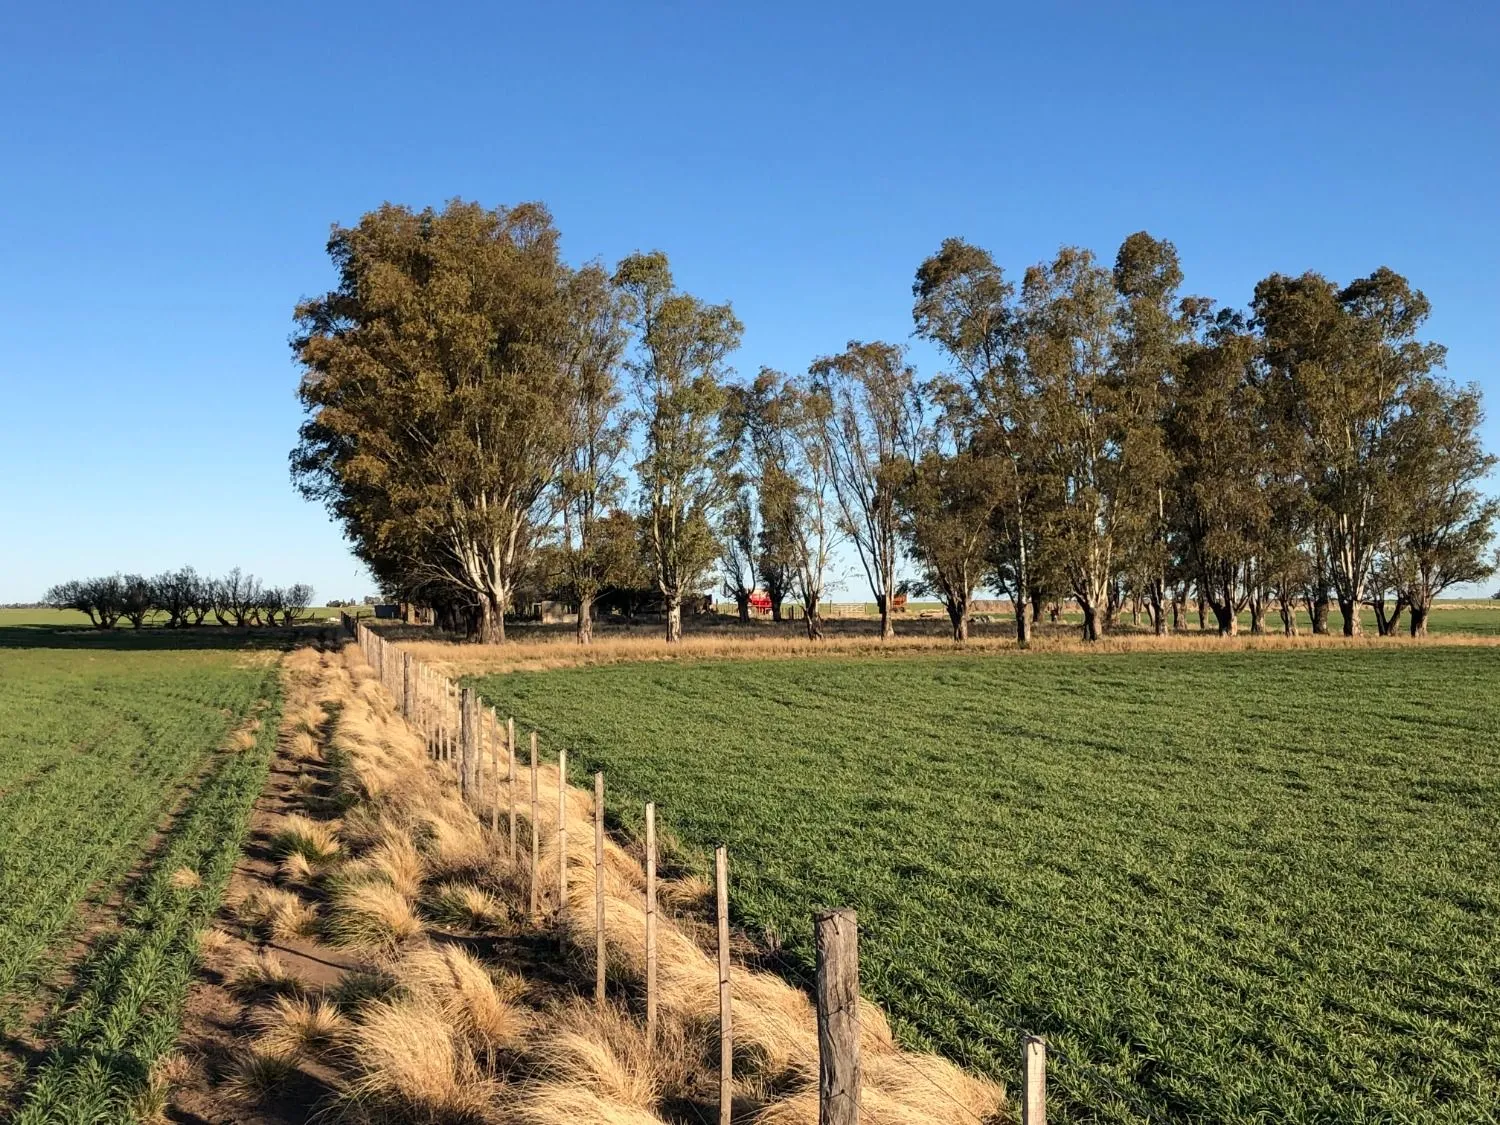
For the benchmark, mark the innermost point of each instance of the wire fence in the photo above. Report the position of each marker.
(458, 731)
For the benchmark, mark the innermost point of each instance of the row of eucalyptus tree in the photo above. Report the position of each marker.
(484, 417)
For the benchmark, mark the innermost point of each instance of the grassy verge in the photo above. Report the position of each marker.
(1237, 887)
(124, 1010)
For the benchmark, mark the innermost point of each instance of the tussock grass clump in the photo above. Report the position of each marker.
(477, 1003)
(212, 942)
(395, 861)
(359, 987)
(278, 913)
(296, 871)
(185, 879)
(262, 975)
(453, 842)
(465, 905)
(148, 1105)
(409, 1060)
(307, 719)
(244, 736)
(372, 915)
(692, 895)
(298, 1026)
(315, 840)
(929, 1086)
(550, 1103)
(254, 1074)
(601, 1052)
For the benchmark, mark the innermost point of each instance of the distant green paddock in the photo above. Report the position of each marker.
(1240, 887)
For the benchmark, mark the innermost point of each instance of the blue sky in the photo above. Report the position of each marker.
(168, 175)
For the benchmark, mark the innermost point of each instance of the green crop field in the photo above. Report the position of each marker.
(114, 774)
(1239, 887)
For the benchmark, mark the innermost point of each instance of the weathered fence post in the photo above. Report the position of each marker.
(536, 809)
(836, 937)
(726, 1029)
(562, 834)
(1034, 1071)
(510, 781)
(651, 924)
(466, 737)
(406, 687)
(599, 950)
(495, 774)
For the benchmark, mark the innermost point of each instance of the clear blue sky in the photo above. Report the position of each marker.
(170, 173)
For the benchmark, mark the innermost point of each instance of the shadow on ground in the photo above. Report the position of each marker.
(157, 638)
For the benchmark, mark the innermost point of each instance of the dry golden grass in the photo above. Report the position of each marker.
(374, 916)
(478, 1005)
(315, 840)
(298, 1026)
(551, 1103)
(394, 861)
(296, 871)
(407, 1060)
(929, 1086)
(303, 745)
(428, 1037)
(277, 913)
(464, 904)
(255, 1073)
(213, 943)
(148, 1106)
(185, 879)
(602, 1052)
(691, 894)
(307, 719)
(263, 975)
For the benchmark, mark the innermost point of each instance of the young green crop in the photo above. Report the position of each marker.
(98, 743)
(1240, 887)
(124, 1010)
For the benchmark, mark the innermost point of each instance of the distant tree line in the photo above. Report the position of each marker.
(185, 597)
(484, 418)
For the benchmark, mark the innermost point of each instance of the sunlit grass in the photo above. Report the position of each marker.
(1234, 886)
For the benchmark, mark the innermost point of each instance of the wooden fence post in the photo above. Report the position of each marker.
(406, 692)
(536, 808)
(465, 738)
(836, 937)
(651, 924)
(562, 834)
(495, 774)
(599, 950)
(1034, 1070)
(726, 1029)
(510, 780)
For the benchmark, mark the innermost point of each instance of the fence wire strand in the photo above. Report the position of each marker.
(787, 967)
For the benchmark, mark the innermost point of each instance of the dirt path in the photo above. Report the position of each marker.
(214, 1023)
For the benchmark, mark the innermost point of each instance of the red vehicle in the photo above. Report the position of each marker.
(760, 602)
